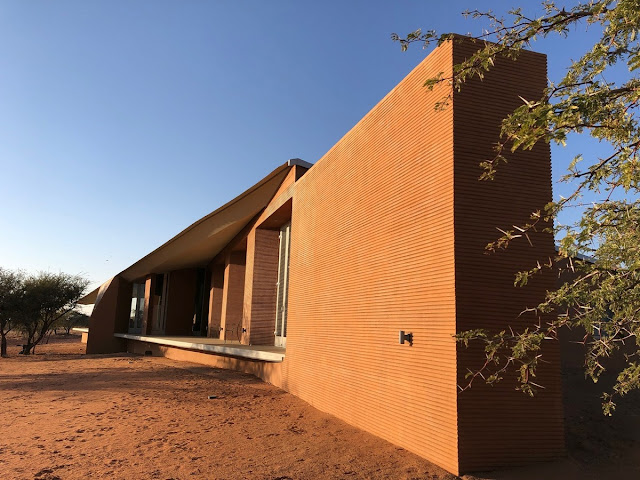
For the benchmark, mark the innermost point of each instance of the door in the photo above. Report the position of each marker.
(200, 308)
(282, 286)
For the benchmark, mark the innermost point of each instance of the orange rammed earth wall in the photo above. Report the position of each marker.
(499, 426)
(260, 286)
(261, 274)
(372, 253)
(110, 314)
(233, 296)
(388, 234)
(294, 173)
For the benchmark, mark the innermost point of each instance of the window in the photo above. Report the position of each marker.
(137, 308)
(283, 285)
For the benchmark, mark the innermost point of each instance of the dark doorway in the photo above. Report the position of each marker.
(201, 307)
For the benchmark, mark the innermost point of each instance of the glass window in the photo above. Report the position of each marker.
(137, 308)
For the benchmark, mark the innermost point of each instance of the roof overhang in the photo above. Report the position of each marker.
(197, 244)
(90, 298)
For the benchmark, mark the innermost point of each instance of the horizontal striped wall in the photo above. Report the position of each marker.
(372, 253)
(260, 285)
(499, 426)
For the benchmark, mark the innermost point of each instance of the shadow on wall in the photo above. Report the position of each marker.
(598, 447)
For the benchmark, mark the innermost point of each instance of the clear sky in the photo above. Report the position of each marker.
(122, 122)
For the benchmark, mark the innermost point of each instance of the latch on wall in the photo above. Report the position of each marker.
(406, 338)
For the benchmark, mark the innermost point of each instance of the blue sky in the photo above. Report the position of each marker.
(122, 122)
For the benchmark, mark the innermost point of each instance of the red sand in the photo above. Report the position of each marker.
(66, 415)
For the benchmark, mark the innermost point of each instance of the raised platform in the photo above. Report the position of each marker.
(83, 331)
(263, 353)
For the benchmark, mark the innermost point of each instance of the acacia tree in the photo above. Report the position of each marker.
(601, 250)
(47, 298)
(11, 293)
(70, 320)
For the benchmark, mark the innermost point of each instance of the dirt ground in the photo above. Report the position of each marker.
(65, 415)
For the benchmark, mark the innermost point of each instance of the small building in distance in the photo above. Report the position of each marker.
(307, 279)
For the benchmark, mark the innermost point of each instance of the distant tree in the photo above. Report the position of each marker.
(11, 293)
(599, 96)
(47, 298)
(70, 320)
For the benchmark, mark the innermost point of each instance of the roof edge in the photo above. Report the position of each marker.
(216, 211)
(299, 162)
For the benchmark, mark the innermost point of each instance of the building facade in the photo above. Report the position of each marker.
(307, 278)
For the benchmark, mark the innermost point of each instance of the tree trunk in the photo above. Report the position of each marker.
(3, 345)
(29, 345)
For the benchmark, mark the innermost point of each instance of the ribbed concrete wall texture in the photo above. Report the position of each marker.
(488, 433)
(372, 253)
(233, 297)
(400, 245)
(260, 294)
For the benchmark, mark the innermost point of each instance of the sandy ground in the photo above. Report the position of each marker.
(65, 415)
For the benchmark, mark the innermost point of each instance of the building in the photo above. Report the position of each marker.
(307, 278)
